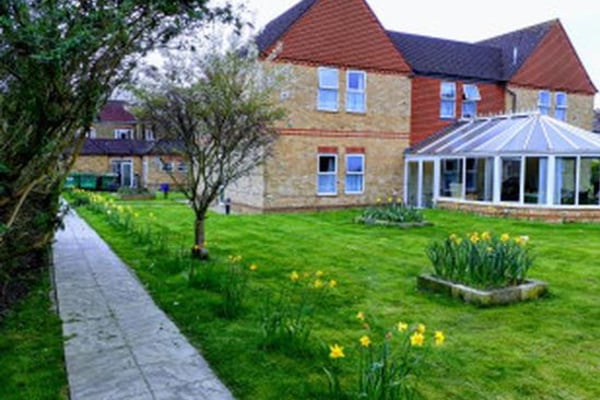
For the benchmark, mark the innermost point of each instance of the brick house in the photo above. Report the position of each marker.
(119, 143)
(361, 96)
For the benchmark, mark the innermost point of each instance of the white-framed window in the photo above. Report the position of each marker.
(123, 133)
(470, 98)
(148, 134)
(355, 173)
(560, 111)
(327, 99)
(356, 97)
(447, 99)
(327, 175)
(91, 133)
(166, 166)
(182, 166)
(544, 100)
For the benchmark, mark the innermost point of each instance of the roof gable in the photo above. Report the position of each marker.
(114, 111)
(434, 57)
(555, 65)
(523, 40)
(333, 32)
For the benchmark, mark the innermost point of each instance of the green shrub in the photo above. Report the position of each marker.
(482, 260)
(392, 211)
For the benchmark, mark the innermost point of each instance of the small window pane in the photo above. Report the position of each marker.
(328, 78)
(471, 92)
(355, 102)
(354, 183)
(327, 184)
(355, 164)
(447, 109)
(356, 80)
(561, 114)
(448, 90)
(326, 163)
(469, 109)
(328, 99)
(561, 100)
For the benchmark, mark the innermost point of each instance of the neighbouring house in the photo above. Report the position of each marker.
(366, 103)
(121, 145)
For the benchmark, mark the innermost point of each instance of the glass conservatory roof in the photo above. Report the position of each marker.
(514, 134)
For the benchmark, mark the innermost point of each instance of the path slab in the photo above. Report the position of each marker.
(118, 343)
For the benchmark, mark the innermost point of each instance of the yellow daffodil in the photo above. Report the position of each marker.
(294, 276)
(505, 237)
(490, 249)
(332, 283)
(474, 237)
(196, 247)
(458, 241)
(336, 351)
(360, 315)
(421, 328)
(402, 326)
(319, 274)
(378, 200)
(439, 338)
(453, 237)
(390, 199)
(417, 339)
(365, 341)
(486, 236)
(318, 284)
(253, 267)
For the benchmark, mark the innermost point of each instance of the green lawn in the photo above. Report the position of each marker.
(31, 350)
(547, 349)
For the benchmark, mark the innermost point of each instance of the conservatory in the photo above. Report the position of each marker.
(519, 161)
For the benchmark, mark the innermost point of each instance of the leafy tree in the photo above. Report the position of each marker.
(59, 61)
(219, 107)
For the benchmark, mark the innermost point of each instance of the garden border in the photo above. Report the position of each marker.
(530, 289)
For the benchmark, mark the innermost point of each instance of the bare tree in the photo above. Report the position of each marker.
(219, 107)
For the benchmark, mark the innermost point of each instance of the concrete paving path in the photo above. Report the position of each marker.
(118, 343)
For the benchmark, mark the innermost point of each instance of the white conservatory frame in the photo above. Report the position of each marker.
(519, 137)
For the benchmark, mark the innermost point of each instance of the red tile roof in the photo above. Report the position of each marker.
(338, 33)
(115, 111)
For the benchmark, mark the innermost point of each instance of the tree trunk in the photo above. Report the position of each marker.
(199, 249)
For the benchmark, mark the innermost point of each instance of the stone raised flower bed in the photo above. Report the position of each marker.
(482, 268)
(137, 196)
(530, 289)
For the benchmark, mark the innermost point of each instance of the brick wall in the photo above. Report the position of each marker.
(156, 176)
(291, 176)
(388, 103)
(580, 111)
(426, 105)
(550, 214)
(94, 164)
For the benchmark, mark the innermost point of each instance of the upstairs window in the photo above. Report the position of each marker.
(355, 91)
(447, 100)
(91, 133)
(166, 166)
(327, 175)
(544, 102)
(182, 166)
(328, 89)
(561, 106)
(123, 133)
(355, 173)
(470, 98)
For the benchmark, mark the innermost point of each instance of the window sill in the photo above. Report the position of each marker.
(354, 193)
(325, 110)
(326, 194)
(356, 112)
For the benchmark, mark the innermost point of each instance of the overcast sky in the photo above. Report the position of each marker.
(469, 20)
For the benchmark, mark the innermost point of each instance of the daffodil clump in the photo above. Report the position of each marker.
(287, 314)
(391, 210)
(386, 364)
(482, 259)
